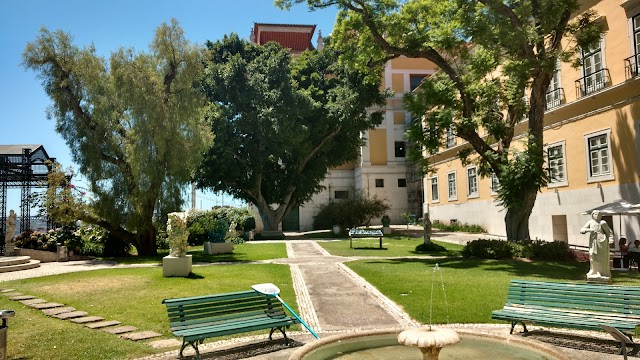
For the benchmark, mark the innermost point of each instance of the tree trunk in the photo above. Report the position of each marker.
(517, 219)
(271, 218)
(146, 243)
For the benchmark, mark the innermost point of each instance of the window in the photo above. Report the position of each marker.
(415, 80)
(598, 149)
(400, 149)
(472, 182)
(434, 189)
(632, 63)
(556, 165)
(340, 195)
(595, 75)
(495, 184)
(451, 185)
(555, 93)
(402, 182)
(379, 182)
(451, 136)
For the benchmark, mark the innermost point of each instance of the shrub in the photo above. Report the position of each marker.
(92, 241)
(455, 227)
(212, 225)
(489, 249)
(115, 246)
(544, 250)
(532, 249)
(36, 240)
(249, 224)
(430, 247)
(579, 256)
(349, 213)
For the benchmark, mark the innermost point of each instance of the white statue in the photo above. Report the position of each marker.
(232, 233)
(177, 233)
(11, 227)
(599, 237)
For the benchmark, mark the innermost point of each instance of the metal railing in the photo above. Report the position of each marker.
(555, 98)
(592, 83)
(631, 68)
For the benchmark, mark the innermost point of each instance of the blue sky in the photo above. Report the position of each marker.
(109, 25)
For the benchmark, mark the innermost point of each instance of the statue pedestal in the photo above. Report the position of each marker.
(599, 280)
(9, 250)
(176, 265)
(386, 230)
(211, 248)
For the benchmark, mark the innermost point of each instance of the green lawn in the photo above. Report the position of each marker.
(132, 296)
(241, 253)
(391, 246)
(472, 288)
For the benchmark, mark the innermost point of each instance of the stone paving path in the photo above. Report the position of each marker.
(63, 312)
(333, 297)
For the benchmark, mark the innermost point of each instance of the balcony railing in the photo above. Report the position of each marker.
(631, 66)
(592, 83)
(555, 98)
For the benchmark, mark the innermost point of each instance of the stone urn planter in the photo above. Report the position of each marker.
(177, 263)
(212, 248)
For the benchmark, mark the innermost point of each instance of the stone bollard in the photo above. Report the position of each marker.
(4, 315)
(62, 252)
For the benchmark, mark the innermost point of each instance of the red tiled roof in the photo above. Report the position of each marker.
(298, 38)
(293, 41)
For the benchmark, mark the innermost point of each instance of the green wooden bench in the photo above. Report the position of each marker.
(579, 306)
(365, 233)
(200, 317)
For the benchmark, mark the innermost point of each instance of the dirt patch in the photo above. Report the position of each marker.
(93, 285)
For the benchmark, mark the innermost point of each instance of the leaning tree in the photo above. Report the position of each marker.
(134, 126)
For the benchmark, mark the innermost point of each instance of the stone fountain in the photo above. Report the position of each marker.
(429, 340)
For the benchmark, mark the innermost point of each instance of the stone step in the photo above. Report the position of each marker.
(13, 260)
(29, 265)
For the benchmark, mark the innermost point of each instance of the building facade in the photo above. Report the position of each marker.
(591, 140)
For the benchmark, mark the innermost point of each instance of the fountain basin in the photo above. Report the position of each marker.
(383, 344)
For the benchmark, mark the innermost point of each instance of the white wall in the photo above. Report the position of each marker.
(570, 203)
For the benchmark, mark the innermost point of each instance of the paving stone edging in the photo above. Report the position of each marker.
(60, 311)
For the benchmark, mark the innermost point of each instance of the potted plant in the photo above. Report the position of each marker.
(386, 223)
(249, 225)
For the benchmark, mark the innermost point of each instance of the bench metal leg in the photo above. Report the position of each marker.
(282, 330)
(194, 345)
(513, 325)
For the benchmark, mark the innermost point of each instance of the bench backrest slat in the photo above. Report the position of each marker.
(609, 298)
(221, 308)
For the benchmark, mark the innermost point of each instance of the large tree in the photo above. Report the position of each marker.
(281, 122)
(493, 56)
(134, 126)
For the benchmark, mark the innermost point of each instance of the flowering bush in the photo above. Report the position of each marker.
(37, 240)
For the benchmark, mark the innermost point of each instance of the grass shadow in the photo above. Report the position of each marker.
(194, 276)
(370, 248)
(557, 270)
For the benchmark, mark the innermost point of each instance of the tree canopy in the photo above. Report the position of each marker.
(134, 125)
(281, 122)
(496, 60)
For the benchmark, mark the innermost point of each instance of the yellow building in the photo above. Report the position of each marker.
(382, 169)
(591, 132)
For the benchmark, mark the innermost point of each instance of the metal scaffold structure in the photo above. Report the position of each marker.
(25, 167)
